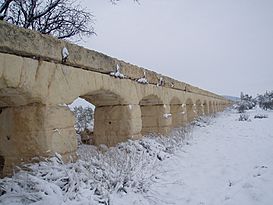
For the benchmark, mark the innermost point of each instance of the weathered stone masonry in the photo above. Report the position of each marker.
(35, 84)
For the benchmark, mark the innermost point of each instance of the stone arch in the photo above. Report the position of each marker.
(199, 108)
(220, 107)
(206, 107)
(210, 107)
(114, 119)
(214, 107)
(191, 113)
(177, 112)
(103, 98)
(223, 106)
(151, 99)
(217, 106)
(155, 115)
(11, 97)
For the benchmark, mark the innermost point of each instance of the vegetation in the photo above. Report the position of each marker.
(60, 18)
(264, 101)
(246, 103)
(84, 118)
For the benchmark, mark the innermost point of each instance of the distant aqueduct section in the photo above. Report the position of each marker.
(37, 80)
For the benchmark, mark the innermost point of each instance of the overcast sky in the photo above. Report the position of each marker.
(224, 46)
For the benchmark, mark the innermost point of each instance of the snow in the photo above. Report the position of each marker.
(160, 82)
(117, 73)
(65, 54)
(142, 80)
(227, 162)
(167, 115)
(219, 160)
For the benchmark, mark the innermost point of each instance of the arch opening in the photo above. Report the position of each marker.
(113, 119)
(84, 119)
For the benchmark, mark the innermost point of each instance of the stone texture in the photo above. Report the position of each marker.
(154, 119)
(114, 124)
(206, 108)
(178, 115)
(35, 130)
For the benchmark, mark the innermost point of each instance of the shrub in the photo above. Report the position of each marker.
(84, 123)
(244, 117)
(260, 116)
(84, 118)
(266, 101)
(246, 103)
(130, 166)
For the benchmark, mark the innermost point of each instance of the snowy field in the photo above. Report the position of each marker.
(226, 162)
(219, 160)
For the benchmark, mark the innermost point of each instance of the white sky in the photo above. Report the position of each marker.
(225, 46)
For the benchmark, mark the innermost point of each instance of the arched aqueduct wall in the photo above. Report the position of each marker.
(36, 83)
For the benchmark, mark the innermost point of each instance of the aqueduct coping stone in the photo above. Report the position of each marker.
(26, 43)
(36, 83)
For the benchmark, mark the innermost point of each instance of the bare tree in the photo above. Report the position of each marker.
(60, 18)
(3, 8)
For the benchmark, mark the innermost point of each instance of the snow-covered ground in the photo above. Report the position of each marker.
(220, 161)
(226, 162)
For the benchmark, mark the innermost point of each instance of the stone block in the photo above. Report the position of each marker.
(36, 130)
(116, 123)
(12, 70)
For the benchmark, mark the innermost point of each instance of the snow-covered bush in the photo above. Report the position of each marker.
(84, 118)
(84, 123)
(260, 116)
(246, 103)
(241, 107)
(130, 166)
(202, 121)
(244, 117)
(266, 101)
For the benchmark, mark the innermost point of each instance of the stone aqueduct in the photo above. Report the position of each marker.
(36, 83)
